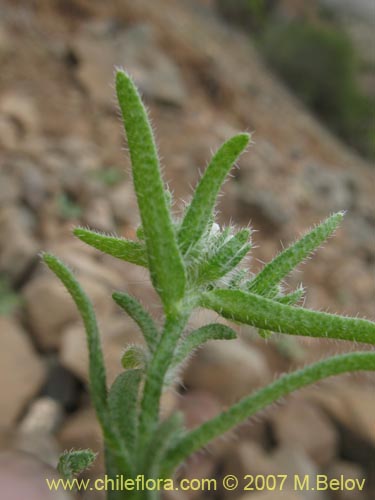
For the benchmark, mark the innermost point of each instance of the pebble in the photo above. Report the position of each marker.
(21, 371)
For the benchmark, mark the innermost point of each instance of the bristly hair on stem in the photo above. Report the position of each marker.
(192, 262)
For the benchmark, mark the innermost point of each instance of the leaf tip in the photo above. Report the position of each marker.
(242, 140)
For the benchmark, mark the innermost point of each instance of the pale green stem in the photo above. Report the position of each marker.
(155, 376)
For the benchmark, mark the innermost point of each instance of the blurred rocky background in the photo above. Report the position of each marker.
(298, 74)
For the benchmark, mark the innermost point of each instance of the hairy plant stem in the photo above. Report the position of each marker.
(192, 263)
(155, 375)
(97, 374)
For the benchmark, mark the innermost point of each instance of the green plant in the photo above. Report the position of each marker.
(192, 263)
(250, 14)
(319, 62)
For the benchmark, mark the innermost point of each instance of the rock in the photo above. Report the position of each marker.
(244, 458)
(98, 216)
(35, 432)
(168, 402)
(198, 406)
(198, 467)
(255, 430)
(123, 204)
(292, 461)
(250, 458)
(85, 260)
(34, 184)
(9, 186)
(175, 495)
(43, 416)
(352, 405)
(116, 332)
(154, 72)
(227, 369)
(264, 207)
(329, 190)
(50, 308)
(21, 371)
(62, 386)
(273, 495)
(23, 476)
(290, 422)
(18, 249)
(137, 50)
(6, 42)
(21, 109)
(349, 470)
(9, 134)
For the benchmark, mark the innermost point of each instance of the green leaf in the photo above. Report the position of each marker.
(286, 261)
(165, 436)
(156, 372)
(250, 405)
(227, 257)
(165, 262)
(237, 278)
(267, 314)
(123, 404)
(195, 339)
(96, 364)
(97, 375)
(140, 316)
(134, 357)
(199, 212)
(140, 233)
(72, 463)
(131, 251)
(291, 298)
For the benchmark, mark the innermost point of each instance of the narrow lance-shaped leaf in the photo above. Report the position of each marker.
(165, 262)
(249, 405)
(267, 314)
(96, 364)
(123, 405)
(199, 212)
(237, 278)
(165, 436)
(290, 299)
(287, 260)
(226, 258)
(155, 375)
(140, 316)
(121, 248)
(113, 472)
(97, 375)
(140, 233)
(214, 331)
